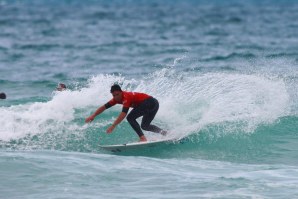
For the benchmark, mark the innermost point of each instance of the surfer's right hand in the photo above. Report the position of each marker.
(89, 119)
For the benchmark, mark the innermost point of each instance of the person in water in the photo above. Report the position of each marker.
(142, 104)
(2, 96)
(61, 87)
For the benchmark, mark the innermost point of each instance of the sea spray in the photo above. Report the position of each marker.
(189, 102)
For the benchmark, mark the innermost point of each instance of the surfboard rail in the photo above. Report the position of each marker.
(137, 145)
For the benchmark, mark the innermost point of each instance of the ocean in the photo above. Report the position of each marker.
(225, 74)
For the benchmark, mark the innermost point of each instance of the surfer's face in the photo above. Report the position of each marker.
(117, 95)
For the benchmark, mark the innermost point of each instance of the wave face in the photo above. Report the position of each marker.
(229, 116)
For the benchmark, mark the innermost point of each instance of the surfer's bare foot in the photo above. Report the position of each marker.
(143, 139)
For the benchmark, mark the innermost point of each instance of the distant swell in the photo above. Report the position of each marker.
(231, 56)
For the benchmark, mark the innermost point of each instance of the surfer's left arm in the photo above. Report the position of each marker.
(121, 116)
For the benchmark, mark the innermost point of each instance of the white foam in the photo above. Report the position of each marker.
(57, 114)
(191, 101)
(188, 102)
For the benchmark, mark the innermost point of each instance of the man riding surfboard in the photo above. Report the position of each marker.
(142, 104)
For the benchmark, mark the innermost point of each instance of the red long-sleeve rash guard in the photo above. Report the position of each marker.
(129, 99)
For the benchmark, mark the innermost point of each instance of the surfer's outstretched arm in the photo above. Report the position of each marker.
(121, 116)
(97, 112)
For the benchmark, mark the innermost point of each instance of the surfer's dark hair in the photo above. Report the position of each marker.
(2, 96)
(115, 87)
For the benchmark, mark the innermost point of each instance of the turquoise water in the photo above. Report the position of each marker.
(225, 74)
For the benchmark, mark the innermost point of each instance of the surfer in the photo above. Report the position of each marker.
(142, 104)
(2, 96)
(61, 87)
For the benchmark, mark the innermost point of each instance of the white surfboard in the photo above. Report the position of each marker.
(137, 145)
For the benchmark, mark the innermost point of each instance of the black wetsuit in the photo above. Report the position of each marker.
(148, 109)
(143, 105)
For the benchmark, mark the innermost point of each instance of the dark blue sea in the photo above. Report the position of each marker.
(225, 74)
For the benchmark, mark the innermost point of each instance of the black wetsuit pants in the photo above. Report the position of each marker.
(148, 109)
